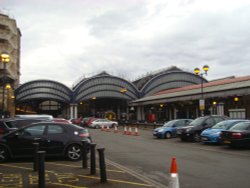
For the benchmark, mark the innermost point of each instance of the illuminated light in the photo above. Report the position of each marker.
(8, 86)
(5, 58)
(196, 70)
(161, 105)
(205, 68)
(236, 99)
(214, 103)
(123, 90)
(93, 98)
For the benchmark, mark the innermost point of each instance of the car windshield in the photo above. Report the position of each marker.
(241, 126)
(221, 125)
(169, 124)
(197, 121)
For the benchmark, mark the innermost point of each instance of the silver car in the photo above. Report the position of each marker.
(98, 123)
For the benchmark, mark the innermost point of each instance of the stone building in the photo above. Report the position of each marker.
(10, 72)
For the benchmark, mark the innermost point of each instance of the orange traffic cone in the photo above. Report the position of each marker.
(102, 129)
(136, 132)
(125, 130)
(174, 179)
(129, 132)
(116, 130)
(107, 130)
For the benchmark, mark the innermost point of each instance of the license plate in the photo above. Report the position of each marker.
(227, 142)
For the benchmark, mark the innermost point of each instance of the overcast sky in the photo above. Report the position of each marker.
(63, 40)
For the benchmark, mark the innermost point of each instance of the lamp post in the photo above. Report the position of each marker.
(197, 71)
(123, 91)
(5, 58)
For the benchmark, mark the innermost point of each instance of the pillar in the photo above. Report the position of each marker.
(220, 109)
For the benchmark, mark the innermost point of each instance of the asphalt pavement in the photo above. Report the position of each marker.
(61, 173)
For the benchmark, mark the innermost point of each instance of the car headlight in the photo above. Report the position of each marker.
(187, 130)
(161, 130)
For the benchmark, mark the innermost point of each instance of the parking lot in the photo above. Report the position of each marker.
(60, 173)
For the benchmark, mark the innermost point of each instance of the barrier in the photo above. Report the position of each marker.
(136, 132)
(41, 169)
(174, 179)
(102, 164)
(129, 132)
(125, 132)
(116, 130)
(108, 129)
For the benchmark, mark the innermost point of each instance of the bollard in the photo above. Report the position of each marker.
(92, 159)
(84, 154)
(102, 165)
(41, 169)
(35, 161)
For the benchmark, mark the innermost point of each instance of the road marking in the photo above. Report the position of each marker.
(13, 166)
(138, 176)
(65, 185)
(60, 164)
(119, 181)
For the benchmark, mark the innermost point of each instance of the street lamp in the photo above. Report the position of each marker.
(197, 71)
(123, 91)
(5, 58)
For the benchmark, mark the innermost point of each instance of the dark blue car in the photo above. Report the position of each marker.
(212, 135)
(169, 128)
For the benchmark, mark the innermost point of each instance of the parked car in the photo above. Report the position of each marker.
(212, 135)
(98, 123)
(237, 136)
(10, 124)
(57, 139)
(61, 120)
(169, 129)
(194, 129)
(34, 116)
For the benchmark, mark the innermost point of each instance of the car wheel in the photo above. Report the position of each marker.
(4, 155)
(74, 152)
(197, 137)
(168, 135)
(97, 126)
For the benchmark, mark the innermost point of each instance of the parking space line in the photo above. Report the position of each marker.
(118, 181)
(66, 185)
(13, 166)
(59, 164)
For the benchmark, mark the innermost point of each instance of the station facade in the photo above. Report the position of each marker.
(169, 94)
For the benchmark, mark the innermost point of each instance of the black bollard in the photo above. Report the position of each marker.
(41, 169)
(92, 159)
(102, 165)
(35, 162)
(84, 154)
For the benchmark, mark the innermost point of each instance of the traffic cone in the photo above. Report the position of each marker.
(115, 130)
(129, 132)
(174, 179)
(107, 130)
(102, 129)
(136, 132)
(125, 130)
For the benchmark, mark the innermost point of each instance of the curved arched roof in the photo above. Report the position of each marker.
(105, 86)
(43, 90)
(169, 80)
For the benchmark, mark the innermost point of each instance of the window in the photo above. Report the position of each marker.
(36, 130)
(55, 129)
(209, 121)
